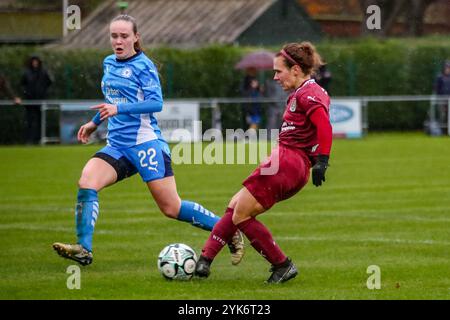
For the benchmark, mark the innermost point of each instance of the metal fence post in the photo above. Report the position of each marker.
(43, 123)
(365, 115)
(216, 115)
(448, 117)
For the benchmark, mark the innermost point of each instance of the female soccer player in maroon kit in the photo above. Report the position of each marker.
(304, 142)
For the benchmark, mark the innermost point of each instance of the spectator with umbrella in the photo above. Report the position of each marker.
(250, 86)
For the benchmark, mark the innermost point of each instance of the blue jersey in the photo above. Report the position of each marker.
(133, 85)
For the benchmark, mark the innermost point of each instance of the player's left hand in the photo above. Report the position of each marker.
(106, 110)
(318, 170)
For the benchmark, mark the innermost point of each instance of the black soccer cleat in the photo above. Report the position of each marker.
(283, 272)
(202, 268)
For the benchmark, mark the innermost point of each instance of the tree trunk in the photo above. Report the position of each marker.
(415, 15)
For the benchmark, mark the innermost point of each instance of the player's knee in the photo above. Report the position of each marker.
(239, 216)
(87, 183)
(170, 210)
(232, 203)
(237, 219)
(234, 200)
(83, 183)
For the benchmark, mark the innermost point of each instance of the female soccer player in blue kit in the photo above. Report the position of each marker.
(133, 94)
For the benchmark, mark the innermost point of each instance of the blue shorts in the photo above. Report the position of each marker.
(151, 159)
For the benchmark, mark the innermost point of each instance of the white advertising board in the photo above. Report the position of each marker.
(346, 118)
(178, 121)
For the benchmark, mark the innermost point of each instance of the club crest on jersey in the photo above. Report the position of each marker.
(293, 105)
(126, 72)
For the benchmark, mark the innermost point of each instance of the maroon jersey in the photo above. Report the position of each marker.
(297, 129)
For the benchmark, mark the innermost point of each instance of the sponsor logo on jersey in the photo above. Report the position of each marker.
(286, 126)
(111, 91)
(116, 100)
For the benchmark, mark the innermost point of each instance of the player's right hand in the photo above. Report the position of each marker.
(85, 131)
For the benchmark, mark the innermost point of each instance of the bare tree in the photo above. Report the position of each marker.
(415, 16)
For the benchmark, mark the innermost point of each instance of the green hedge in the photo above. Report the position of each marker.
(363, 67)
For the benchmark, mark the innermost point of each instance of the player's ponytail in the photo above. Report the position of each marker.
(303, 54)
(128, 18)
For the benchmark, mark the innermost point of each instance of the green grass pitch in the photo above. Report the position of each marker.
(386, 202)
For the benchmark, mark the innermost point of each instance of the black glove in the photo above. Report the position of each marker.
(319, 168)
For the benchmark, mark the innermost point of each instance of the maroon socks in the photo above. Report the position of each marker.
(261, 239)
(220, 235)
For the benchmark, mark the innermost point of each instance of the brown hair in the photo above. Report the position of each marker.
(128, 18)
(303, 54)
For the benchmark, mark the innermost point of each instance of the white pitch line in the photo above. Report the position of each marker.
(388, 214)
(28, 227)
(383, 240)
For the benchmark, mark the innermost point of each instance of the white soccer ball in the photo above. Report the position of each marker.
(177, 261)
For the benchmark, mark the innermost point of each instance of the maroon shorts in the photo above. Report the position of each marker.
(269, 185)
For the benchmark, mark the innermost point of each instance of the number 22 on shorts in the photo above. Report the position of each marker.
(149, 162)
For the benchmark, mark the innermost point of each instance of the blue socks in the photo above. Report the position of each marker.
(87, 210)
(197, 215)
(86, 214)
